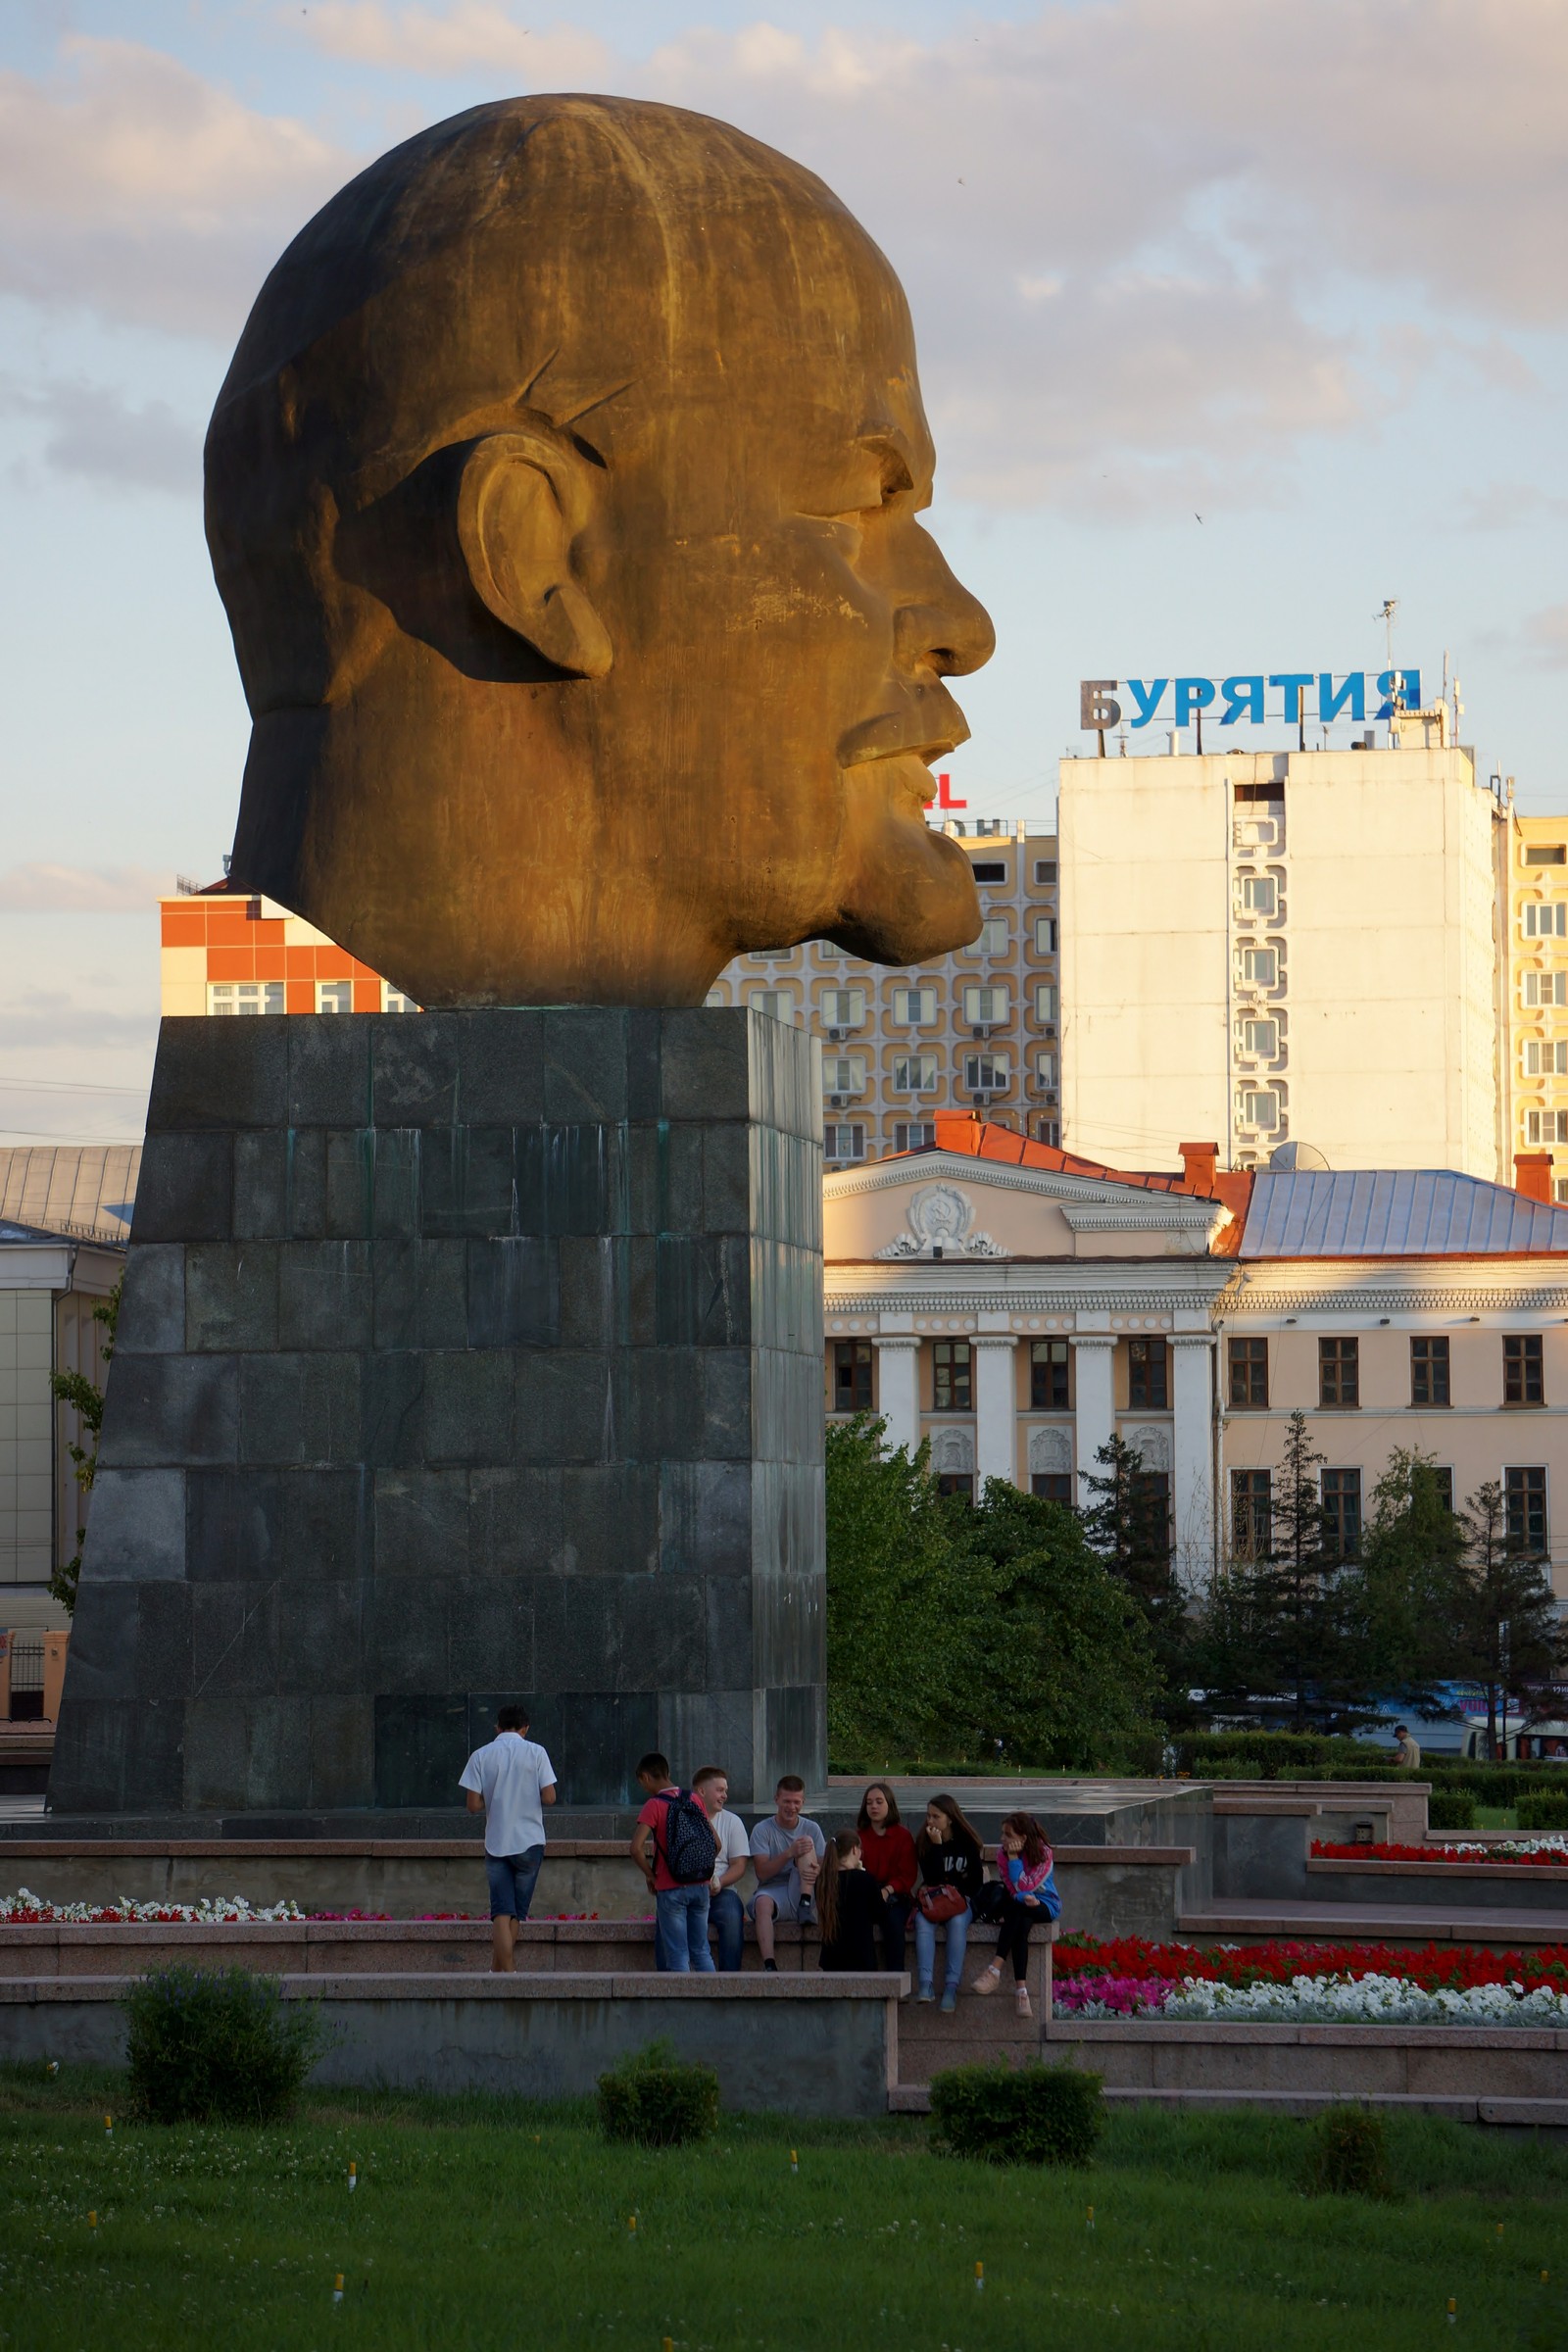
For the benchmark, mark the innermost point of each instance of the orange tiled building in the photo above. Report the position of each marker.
(222, 953)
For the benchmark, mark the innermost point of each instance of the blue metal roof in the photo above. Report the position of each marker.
(1393, 1212)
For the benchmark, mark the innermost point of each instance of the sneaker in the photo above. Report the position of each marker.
(770, 1968)
(989, 1979)
(925, 1994)
(1021, 1997)
(950, 2002)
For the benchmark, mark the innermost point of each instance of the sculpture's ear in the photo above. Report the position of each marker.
(522, 503)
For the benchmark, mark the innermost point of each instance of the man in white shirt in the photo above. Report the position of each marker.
(509, 1781)
(725, 1911)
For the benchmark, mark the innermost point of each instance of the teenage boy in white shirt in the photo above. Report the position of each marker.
(725, 1911)
(787, 1854)
(509, 1781)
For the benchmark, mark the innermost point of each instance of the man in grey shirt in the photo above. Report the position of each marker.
(786, 1855)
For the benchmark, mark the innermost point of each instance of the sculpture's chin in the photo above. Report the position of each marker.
(910, 893)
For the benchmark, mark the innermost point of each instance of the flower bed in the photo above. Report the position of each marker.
(26, 1910)
(1551, 1851)
(1289, 1982)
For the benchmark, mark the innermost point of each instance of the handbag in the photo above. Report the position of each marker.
(938, 1903)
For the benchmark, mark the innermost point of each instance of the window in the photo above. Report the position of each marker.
(1560, 1190)
(1338, 1372)
(852, 1376)
(914, 1074)
(1150, 1500)
(1257, 893)
(1045, 873)
(913, 1135)
(1251, 1513)
(1049, 1367)
(1429, 1372)
(956, 1482)
(1546, 988)
(993, 940)
(952, 1383)
(985, 1007)
(916, 1007)
(1443, 1478)
(841, 1142)
(987, 1073)
(1262, 1038)
(335, 996)
(393, 1000)
(1342, 1513)
(1249, 1359)
(1147, 1384)
(1547, 853)
(1547, 1058)
(1259, 966)
(1522, 1382)
(1546, 918)
(716, 996)
(1046, 1002)
(777, 1003)
(1525, 1502)
(266, 995)
(844, 1073)
(1547, 1126)
(842, 1008)
(1260, 1107)
(990, 869)
(1046, 1067)
(1051, 1486)
(1044, 935)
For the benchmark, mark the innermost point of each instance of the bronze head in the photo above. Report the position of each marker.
(563, 495)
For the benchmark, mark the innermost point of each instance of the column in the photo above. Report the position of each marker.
(897, 1388)
(1094, 1401)
(996, 1410)
(1191, 1492)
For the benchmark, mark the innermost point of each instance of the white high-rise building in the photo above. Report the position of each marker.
(1285, 947)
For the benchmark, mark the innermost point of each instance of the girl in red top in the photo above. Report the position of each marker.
(887, 1851)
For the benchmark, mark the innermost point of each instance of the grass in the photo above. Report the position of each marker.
(490, 2223)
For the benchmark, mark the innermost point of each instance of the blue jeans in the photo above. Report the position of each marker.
(925, 1947)
(681, 1929)
(727, 1914)
(512, 1880)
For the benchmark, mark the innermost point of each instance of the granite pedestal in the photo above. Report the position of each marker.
(463, 1357)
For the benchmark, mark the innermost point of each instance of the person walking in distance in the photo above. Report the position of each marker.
(726, 1913)
(511, 1781)
(786, 1855)
(674, 1846)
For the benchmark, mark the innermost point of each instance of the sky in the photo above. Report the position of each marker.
(1236, 319)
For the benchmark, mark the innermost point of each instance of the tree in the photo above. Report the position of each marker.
(1127, 1523)
(1301, 1589)
(86, 1401)
(1508, 1624)
(1404, 1592)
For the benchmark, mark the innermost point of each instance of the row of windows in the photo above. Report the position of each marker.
(980, 1006)
(927, 1073)
(1049, 1376)
(1340, 1494)
(267, 996)
(845, 1139)
(1338, 1372)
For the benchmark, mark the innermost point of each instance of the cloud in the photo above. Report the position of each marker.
(42, 889)
(1510, 507)
(474, 35)
(95, 434)
(49, 1017)
(1544, 638)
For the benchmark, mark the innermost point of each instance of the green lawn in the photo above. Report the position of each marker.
(493, 2224)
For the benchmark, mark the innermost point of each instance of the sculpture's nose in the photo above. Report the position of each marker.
(941, 627)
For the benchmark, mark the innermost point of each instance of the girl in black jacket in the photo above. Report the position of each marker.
(951, 1865)
(848, 1904)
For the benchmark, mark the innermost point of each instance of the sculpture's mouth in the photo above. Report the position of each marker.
(928, 727)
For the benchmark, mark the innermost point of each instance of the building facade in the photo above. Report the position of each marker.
(1535, 1072)
(1285, 948)
(222, 953)
(1016, 1306)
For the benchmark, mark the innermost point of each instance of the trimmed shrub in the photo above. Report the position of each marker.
(1544, 1812)
(658, 2100)
(216, 2047)
(1348, 2154)
(1018, 2115)
(1450, 1809)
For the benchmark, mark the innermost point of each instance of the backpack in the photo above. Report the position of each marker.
(690, 1847)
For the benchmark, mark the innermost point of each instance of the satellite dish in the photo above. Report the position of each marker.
(1288, 1157)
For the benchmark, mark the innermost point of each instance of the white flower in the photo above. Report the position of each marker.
(1368, 2001)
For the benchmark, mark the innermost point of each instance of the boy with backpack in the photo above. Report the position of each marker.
(674, 1847)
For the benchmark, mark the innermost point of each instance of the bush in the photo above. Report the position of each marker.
(1544, 1812)
(211, 2047)
(1450, 1809)
(1269, 1755)
(656, 2099)
(1018, 2115)
(1348, 2154)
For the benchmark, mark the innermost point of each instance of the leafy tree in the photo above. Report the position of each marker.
(87, 1401)
(1404, 1592)
(1507, 1618)
(1128, 1524)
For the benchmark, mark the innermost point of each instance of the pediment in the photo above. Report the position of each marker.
(951, 1206)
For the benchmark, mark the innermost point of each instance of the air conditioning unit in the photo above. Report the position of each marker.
(836, 1037)
(1051, 1095)
(1051, 1028)
(836, 1101)
(982, 1102)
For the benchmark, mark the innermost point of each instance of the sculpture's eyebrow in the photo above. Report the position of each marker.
(893, 452)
